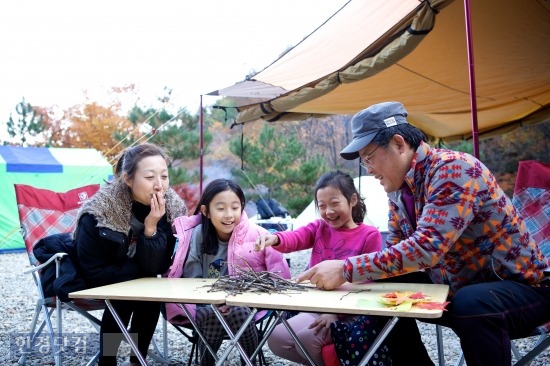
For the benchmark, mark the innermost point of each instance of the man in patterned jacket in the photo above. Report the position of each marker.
(449, 223)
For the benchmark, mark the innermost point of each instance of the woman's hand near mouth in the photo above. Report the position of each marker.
(158, 209)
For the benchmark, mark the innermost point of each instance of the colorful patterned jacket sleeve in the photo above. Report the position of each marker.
(467, 230)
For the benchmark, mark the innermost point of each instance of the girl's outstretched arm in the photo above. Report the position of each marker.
(263, 241)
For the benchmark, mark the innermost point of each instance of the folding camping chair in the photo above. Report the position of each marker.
(44, 213)
(532, 200)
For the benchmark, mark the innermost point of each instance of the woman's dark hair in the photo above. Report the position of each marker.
(130, 157)
(210, 238)
(344, 183)
(412, 135)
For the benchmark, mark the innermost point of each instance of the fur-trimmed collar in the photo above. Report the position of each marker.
(112, 206)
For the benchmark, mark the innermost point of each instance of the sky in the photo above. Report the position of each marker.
(52, 50)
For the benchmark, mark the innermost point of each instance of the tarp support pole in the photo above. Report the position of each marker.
(201, 124)
(473, 96)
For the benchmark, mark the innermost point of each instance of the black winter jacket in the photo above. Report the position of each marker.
(102, 237)
(70, 279)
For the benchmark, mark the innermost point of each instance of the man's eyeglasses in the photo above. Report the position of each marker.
(366, 161)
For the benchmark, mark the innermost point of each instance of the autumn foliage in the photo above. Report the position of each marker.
(94, 126)
(189, 194)
(404, 301)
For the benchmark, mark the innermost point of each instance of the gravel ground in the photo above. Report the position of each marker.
(18, 297)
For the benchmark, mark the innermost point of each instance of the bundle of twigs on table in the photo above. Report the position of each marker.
(247, 280)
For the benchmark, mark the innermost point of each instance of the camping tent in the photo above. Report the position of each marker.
(56, 169)
(376, 200)
(416, 53)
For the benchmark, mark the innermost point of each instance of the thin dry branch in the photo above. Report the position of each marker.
(247, 280)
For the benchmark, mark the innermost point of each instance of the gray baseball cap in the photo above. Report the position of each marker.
(368, 122)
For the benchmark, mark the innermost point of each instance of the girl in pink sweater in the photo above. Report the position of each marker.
(339, 233)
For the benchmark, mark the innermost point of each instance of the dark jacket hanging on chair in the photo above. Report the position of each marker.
(70, 278)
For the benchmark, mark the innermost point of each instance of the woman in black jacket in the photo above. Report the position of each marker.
(123, 233)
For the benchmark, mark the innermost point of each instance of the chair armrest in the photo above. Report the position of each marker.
(54, 257)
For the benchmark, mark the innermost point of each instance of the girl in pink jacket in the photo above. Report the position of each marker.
(338, 234)
(211, 244)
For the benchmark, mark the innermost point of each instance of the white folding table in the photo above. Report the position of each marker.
(361, 299)
(169, 290)
(349, 298)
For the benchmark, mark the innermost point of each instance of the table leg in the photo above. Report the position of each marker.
(124, 331)
(198, 330)
(267, 332)
(295, 337)
(378, 341)
(234, 337)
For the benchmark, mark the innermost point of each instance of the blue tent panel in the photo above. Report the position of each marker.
(29, 160)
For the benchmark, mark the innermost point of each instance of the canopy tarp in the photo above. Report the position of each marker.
(56, 169)
(416, 53)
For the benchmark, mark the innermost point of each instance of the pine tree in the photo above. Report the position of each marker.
(279, 163)
(27, 124)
